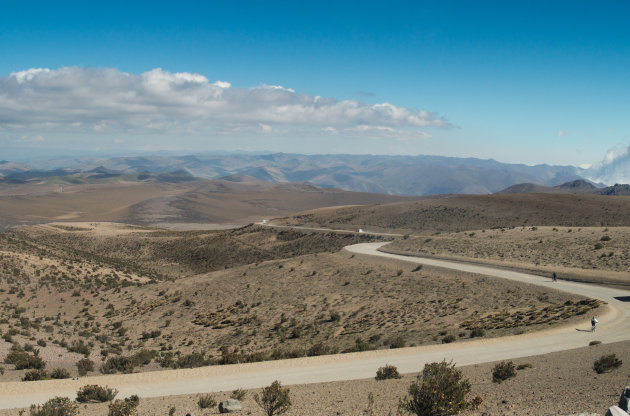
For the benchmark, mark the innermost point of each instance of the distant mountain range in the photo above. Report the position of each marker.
(395, 175)
(579, 186)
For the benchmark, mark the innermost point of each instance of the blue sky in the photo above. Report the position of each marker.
(528, 82)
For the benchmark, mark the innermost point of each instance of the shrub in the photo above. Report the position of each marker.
(124, 407)
(524, 366)
(606, 363)
(59, 373)
(93, 393)
(34, 375)
(238, 394)
(171, 410)
(502, 371)
(116, 364)
(84, 365)
(387, 372)
(598, 246)
(80, 347)
(440, 390)
(274, 399)
(320, 349)
(195, 359)
(23, 360)
(477, 333)
(397, 342)
(206, 401)
(605, 238)
(58, 406)
(448, 339)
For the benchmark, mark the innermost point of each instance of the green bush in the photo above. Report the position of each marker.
(439, 391)
(93, 393)
(23, 360)
(274, 399)
(60, 373)
(124, 407)
(524, 366)
(206, 401)
(84, 366)
(117, 364)
(606, 363)
(502, 371)
(34, 375)
(58, 406)
(387, 372)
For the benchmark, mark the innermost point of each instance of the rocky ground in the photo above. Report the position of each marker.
(578, 253)
(560, 383)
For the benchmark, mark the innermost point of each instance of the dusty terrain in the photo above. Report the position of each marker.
(473, 212)
(557, 384)
(166, 199)
(576, 253)
(236, 296)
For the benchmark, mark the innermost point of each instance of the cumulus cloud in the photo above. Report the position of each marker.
(111, 101)
(614, 168)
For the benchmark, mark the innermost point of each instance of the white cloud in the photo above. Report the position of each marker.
(110, 101)
(388, 132)
(561, 133)
(614, 168)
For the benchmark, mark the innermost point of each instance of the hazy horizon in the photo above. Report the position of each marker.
(531, 83)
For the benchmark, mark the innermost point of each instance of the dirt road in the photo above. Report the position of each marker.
(614, 326)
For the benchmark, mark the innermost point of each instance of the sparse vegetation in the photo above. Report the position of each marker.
(439, 391)
(206, 401)
(274, 399)
(606, 363)
(387, 372)
(503, 371)
(238, 394)
(23, 360)
(59, 373)
(84, 366)
(34, 375)
(58, 406)
(124, 407)
(93, 393)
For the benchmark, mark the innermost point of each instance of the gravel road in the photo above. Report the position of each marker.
(614, 326)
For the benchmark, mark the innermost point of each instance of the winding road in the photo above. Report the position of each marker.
(614, 326)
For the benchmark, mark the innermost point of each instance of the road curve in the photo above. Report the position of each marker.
(614, 326)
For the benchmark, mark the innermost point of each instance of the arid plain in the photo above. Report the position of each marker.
(176, 299)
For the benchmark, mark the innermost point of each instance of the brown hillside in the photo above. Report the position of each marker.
(474, 212)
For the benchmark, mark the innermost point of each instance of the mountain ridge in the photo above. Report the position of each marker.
(394, 175)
